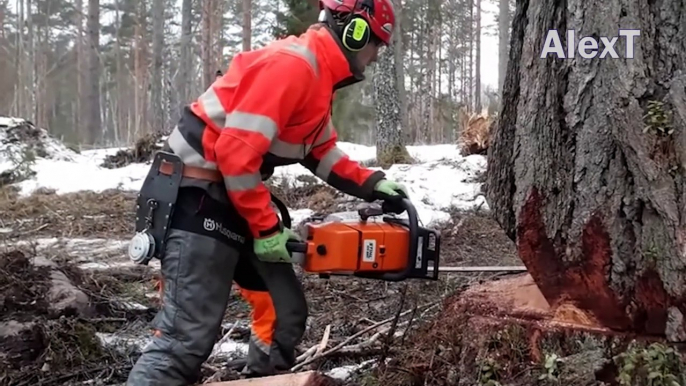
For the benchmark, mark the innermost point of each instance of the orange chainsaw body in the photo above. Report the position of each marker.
(372, 246)
(356, 247)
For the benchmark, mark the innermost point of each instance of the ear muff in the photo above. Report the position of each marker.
(356, 34)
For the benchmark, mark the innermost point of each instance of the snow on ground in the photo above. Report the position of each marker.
(440, 181)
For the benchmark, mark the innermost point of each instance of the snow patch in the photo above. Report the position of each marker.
(441, 180)
(19, 136)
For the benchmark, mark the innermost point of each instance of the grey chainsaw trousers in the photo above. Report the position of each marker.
(197, 271)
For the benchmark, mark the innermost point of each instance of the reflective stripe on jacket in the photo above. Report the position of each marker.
(273, 108)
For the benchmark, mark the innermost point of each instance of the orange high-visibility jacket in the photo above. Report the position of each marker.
(272, 108)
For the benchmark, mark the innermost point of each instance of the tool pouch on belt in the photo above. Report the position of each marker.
(154, 207)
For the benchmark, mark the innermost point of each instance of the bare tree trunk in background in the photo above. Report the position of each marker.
(207, 43)
(158, 122)
(31, 65)
(3, 9)
(42, 57)
(425, 84)
(140, 72)
(400, 69)
(247, 27)
(119, 107)
(503, 41)
(19, 99)
(597, 207)
(80, 67)
(430, 81)
(186, 65)
(470, 63)
(217, 35)
(93, 25)
(389, 138)
(477, 76)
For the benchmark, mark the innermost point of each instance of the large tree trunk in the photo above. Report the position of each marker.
(389, 138)
(596, 205)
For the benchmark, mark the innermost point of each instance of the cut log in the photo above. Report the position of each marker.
(307, 378)
(585, 167)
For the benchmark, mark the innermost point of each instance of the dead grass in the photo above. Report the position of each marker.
(107, 214)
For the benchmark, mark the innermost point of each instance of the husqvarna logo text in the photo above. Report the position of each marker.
(211, 225)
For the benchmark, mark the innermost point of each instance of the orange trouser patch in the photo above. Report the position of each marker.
(263, 313)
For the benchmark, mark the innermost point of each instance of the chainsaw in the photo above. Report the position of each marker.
(374, 244)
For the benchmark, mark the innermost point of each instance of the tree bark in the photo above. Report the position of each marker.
(157, 56)
(503, 41)
(477, 76)
(596, 205)
(93, 25)
(186, 62)
(247, 25)
(80, 60)
(389, 138)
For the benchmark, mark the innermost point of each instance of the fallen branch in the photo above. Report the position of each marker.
(325, 339)
(352, 337)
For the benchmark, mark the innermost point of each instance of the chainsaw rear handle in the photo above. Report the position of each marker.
(296, 246)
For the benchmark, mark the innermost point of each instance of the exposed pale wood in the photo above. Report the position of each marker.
(298, 379)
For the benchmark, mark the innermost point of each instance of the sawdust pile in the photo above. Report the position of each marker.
(475, 133)
(107, 214)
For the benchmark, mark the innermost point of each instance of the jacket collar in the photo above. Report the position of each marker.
(340, 63)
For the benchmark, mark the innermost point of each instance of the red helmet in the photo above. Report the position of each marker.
(378, 13)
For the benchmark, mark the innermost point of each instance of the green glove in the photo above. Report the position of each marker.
(390, 188)
(272, 249)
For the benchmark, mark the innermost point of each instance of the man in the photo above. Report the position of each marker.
(271, 108)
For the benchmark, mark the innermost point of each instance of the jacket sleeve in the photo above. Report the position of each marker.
(328, 162)
(264, 101)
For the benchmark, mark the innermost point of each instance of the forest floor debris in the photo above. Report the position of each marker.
(40, 341)
(86, 233)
